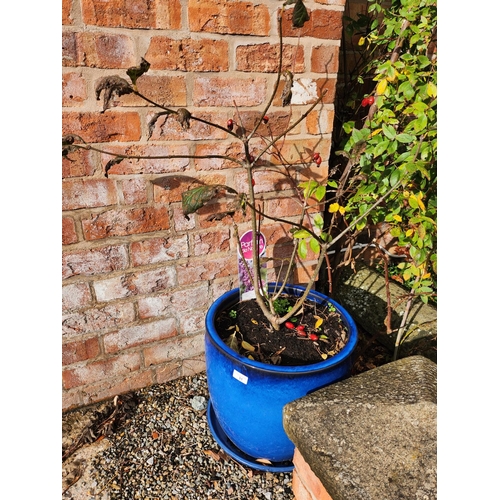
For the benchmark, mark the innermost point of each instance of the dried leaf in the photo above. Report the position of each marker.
(232, 342)
(183, 117)
(254, 321)
(112, 162)
(248, 347)
(263, 461)
(138, 71)
(111, 86)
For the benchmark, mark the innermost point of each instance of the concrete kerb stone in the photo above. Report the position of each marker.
(372, 436)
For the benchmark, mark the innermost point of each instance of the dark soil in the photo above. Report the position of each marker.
(245, 328)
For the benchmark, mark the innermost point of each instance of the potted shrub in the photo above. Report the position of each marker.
(251, 378)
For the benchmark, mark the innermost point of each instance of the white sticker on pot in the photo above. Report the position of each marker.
(239, 376)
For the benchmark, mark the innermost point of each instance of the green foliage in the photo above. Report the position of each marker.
(396, 143)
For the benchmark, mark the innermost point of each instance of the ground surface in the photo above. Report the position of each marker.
(155, 444)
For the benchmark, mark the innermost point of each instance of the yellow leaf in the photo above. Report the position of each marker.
(409, 232)
(342, 210)
(361, 40)
(431, 90)
(375, 132)
(393, 77)
(324, 356)
(247, 346)
(381, 86)
(420, 203)
(318, 323)
(397, 218)
(254, 321)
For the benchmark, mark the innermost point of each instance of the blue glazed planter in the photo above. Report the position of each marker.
(247, 396)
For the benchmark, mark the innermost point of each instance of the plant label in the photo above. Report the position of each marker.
(245, 266)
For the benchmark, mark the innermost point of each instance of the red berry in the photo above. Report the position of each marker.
(364, 102)
(290, 325)
(318, 160)
(371, 100)
(230, 124)
(253, 182)
(301, 333)
(251, 158)
(265, 119)
(315, 156)
(301, 328)
(313, 336)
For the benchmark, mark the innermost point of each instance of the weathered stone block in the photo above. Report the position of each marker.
(374, 435)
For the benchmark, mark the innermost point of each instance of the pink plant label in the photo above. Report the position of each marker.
(247, 290)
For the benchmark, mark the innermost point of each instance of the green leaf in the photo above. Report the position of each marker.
(315, 247)
(405, 138)
(389, 131)
(195, 198)
(301, 233)
(302, 249)
(380, 148)
(320, 192)
(300, 15)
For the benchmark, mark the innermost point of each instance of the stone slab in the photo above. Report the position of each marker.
(363, 293)
(372, 436)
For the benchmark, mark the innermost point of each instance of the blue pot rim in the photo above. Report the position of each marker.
(232, 297)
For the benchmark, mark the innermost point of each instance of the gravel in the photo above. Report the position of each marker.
(162, 449)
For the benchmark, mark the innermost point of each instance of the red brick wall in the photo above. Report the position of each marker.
(136, 279)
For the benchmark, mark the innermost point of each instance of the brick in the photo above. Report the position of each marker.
(325, 59)
(340, 3)
(218, 91)
(230, 150)
(278, 122)
(139, 283)
(107, 389)
(165, 90)
(74, 89)
(134, 191)
(307, 91)
(173, 349)
(264, 58)
(320, 122)
(94, 261)
(206, 269)
(156, 250)
(228, 16)
(76, 296)
(208, 243)
(117, 366)
(193, 366)
(71, 400)
(66, 12)
(80, 350)
(132, 13)
(103, 127)
(170, 189)
(300, 151)
(309, 480)
(98, 50)
(148, 165)
(88, 193)
(266, 181)
(182, 222)
(169, 129)
(97, 319)
(168, 372)
(79, 163)
(68, 231)
(137, 335)
(193, 322)
(283, 207)
(174, 302)
(324, 24)
(188, 55)
(69, 49)
(125, 222)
